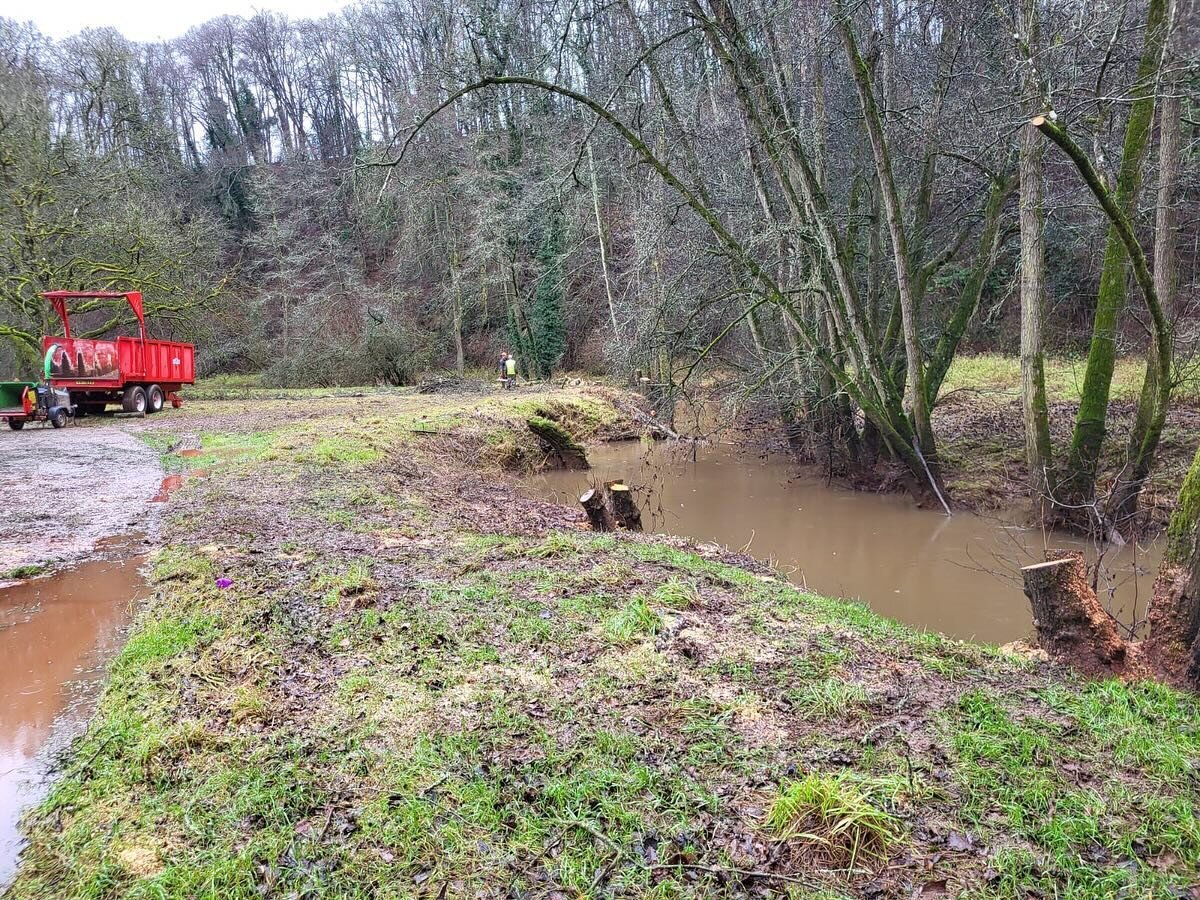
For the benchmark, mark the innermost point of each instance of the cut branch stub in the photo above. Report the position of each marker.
(1071, 624)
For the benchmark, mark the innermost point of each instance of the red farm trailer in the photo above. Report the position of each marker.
(139, 373)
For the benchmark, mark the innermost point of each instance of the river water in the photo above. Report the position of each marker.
(56, 636)
(957, 575)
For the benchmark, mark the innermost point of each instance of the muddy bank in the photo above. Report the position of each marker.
(62, 491)
(983, 450)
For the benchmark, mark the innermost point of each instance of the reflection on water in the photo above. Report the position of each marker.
(56, 635)
(955, 575)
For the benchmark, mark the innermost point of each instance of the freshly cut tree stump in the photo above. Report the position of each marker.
(1071, 623)
(624, 507)
(611, 506)
(599, 515)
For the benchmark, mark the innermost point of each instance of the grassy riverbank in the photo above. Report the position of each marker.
(418, 683)
(982, 440)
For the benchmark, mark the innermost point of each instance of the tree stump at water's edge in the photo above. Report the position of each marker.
(1071, 624)
(611, 506)
(624, 507)
(599, 515)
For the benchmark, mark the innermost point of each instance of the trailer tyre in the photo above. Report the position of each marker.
(58, 418)
(16, 424)
(134, 401)
(154, 399)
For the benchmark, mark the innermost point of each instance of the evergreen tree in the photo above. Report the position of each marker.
(547, 322)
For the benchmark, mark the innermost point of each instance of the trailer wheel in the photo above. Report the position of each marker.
(16, 424)
(154, 399)
(58, 418)
(134, 401)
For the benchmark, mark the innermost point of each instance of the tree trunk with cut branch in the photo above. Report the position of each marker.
(1132, 253)
(1090, 422)
(1151, 415)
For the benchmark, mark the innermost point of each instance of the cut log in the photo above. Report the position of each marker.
(560, 443)
(1071, 624)
(650, 425)
(624, 507)
(599, 515)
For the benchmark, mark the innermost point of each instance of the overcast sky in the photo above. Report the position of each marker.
(149, 20)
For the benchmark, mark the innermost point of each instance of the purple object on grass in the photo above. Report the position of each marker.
(223, 583)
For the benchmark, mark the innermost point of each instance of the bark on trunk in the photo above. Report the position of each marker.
(1174, 640)
(1090, 422)
(1035, 411)
(608, 292)
(1151, 413)
(624, 507)
(600, 517)
(916, 397)
(1071, 624)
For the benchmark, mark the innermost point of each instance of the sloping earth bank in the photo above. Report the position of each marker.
(370, 670)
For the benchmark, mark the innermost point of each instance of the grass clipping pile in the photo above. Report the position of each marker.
(381, 674)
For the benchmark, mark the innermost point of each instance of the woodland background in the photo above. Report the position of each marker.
(826, 202)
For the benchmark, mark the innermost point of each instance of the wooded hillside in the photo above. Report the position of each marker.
(829, 200)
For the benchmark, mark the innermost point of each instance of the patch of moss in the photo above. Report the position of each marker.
(20, 573)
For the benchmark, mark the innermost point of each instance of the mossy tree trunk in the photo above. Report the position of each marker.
(1151, 413)
(1175, 605)
(1161, 346)
(1079, 479)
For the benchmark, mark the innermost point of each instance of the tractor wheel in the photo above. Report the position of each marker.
(154, 399)
(16, 424)
(134, 401)
(58, 418)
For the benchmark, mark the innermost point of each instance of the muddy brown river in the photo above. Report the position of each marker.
(56, 636)
(958, 575)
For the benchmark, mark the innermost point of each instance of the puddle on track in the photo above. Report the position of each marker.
(169, 483)
(57, 635)
(959, 576)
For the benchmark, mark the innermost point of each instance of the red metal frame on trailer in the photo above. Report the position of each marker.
(100, 369)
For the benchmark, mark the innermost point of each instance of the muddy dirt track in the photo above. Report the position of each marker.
(61, 491)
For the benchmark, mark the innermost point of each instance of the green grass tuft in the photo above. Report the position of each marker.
(828, 697)
(677, 594)
(633, 620)
(556, 544)
(831, 813)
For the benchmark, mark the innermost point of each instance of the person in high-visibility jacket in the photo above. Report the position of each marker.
(510, 371)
